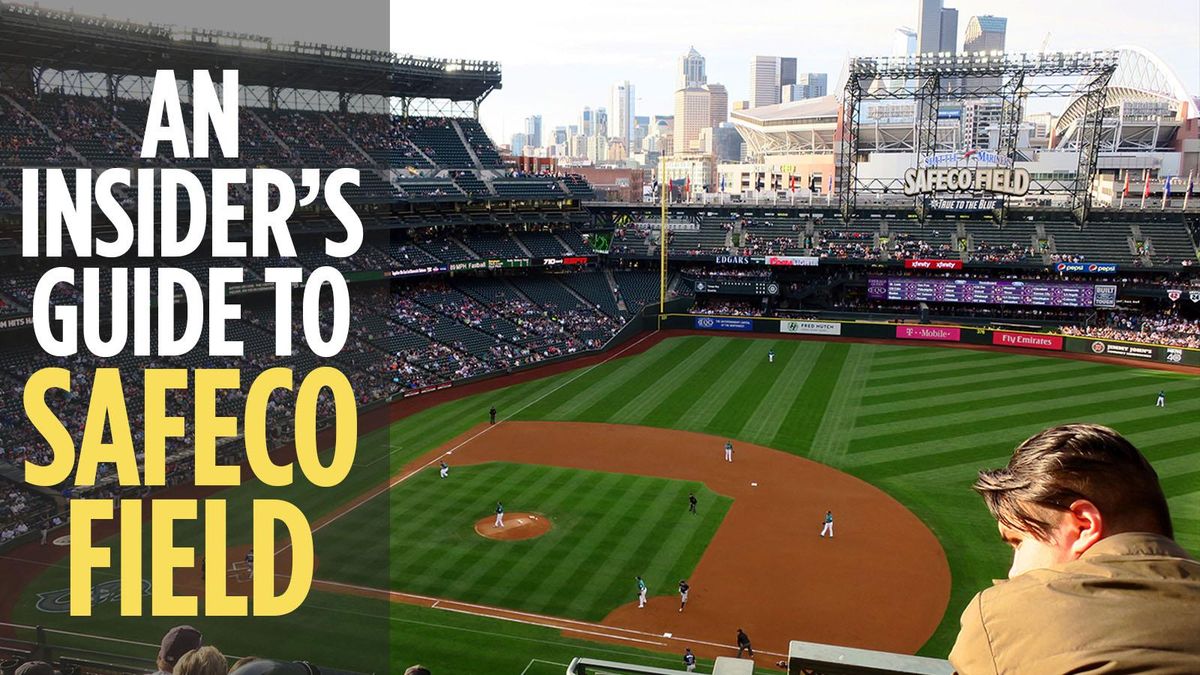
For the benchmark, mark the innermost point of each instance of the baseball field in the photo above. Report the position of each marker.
(888, 437)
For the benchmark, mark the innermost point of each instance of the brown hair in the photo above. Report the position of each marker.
(1062, 464)
(202, 661)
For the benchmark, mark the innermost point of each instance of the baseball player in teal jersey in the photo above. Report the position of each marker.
(771, 356)
(728, 451)
(641, 592)
(499, 514)
(1162, 399)
(828, 524)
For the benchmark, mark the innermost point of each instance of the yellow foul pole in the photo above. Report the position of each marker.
(664, 190)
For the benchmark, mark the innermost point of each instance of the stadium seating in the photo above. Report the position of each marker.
(480, 143)
(1094, 244)
(437, 138)
(594, 287)
(638, 287)
(1168, 243)
(541, 243)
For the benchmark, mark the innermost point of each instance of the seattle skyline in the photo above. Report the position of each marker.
(582, 63)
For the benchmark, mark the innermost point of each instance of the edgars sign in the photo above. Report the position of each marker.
(928, 180)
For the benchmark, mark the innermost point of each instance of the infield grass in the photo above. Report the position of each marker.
(919, 422)
(607, 529)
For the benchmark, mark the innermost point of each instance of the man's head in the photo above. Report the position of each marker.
(177, 642)
(417, 670)
(1067, 488)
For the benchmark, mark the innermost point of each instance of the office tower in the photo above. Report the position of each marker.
(586, 123)
(693, 112)
(787, 70)
(764, 81)
(718, 103)
(937, 27)
(622, 111)
(985, 34)
(533, 131)
(691, 70)
(518, 143)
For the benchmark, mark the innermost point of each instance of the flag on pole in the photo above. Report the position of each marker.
(1125, 190)
(1145, 187)
(829, 190)
(1188, 193)
(1166, 192)
(722, 182)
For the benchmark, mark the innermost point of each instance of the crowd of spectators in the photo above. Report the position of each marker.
(846, 244)
(906, 245)
(1164, 328)
(1011, 252)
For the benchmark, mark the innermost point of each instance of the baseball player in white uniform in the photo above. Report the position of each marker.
(828, 527)
(445, 470)
(641, 593)
(728, 451)
(499, 514)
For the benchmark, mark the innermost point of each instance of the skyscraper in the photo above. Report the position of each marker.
(985, 34)
(533, 131)
(518, 143)
(622, 111)
(904, 42)
(764, 81)
(718, 103)
(585, 121)
(787, 70)
(937, 27)
(691, 70)
(693, 112)
(949, 38)
(601, 123)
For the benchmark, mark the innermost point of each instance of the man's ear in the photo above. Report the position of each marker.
(1084, 527)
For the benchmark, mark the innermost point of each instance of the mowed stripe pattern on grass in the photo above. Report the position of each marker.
(607, 528)
(917, 421)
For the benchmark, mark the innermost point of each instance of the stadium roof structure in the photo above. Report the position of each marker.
(62, 40)
(804, 126)
(1141, 77)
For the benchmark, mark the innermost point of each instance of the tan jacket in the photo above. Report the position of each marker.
(1130, 604)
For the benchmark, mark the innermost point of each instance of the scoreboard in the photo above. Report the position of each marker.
(737, 286)
(992, 292)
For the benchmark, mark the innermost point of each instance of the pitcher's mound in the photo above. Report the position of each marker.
(517, 525)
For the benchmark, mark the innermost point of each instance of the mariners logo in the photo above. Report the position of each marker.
(705, 322)
(1174, 294)
(1174, 355)
(59, 602)
(1098, 347)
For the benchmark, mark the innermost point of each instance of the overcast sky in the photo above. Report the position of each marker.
(560, 56)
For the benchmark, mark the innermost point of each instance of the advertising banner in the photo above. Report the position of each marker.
(923, 264)
(936, 333)
(717, 323)
(793, 260)
(1027, 340)
(1086, 268)
(810, 327)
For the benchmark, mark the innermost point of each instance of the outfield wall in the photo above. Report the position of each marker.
(916, 333)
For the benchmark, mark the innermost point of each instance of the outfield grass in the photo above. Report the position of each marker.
(918, 422)
(608, 528)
